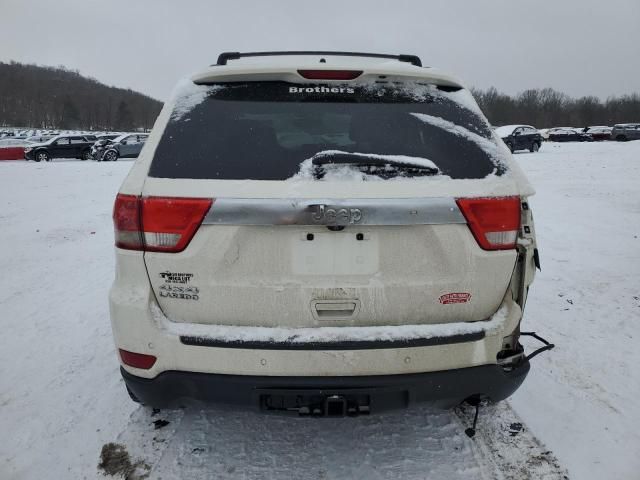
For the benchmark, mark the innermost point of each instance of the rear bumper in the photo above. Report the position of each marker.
(301, 395)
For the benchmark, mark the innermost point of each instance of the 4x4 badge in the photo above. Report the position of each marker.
(325, 215)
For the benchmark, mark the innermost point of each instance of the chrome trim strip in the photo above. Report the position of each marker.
(342, 212)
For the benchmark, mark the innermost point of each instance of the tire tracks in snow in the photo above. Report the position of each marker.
(505, 441)
(421, 442)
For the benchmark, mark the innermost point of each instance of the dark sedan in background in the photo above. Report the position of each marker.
(598, 133)
(62, 146)
(520, 137)
(568, 135)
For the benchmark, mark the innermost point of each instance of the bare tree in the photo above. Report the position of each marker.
(549, 108)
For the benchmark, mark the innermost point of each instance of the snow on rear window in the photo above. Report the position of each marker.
(188, 95)
(487, 145)
(351, 172)
(267, 130)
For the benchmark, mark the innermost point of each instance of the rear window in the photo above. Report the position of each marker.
(266, 130)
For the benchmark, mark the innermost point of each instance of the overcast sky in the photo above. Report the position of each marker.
(582, 47)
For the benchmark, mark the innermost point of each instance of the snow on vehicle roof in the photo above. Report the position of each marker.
(12, 142)
(506, 130)
(120, 137)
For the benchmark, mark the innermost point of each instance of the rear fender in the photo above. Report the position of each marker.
(525, 268)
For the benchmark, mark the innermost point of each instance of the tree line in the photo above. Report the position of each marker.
(57, 98)
(544, 108)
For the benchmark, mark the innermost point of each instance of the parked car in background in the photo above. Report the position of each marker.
(124, 146)
(62, 146)
(598, 133)
(97, 149)
(520, 137)
(550, 131)
(567, 135)
(544, 132)
(12, 148)
(626, 131)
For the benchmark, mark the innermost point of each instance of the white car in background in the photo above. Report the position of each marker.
(322, 233)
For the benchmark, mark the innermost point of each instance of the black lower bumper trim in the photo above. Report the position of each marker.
(382, 392)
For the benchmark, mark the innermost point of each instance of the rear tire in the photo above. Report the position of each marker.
(42, 157)
(110, 156)
(86, 155)
(535, 146)
(621, 138)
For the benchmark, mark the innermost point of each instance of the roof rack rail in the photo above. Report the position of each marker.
(226, 56)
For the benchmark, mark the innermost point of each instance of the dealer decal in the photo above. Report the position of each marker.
(455, 297)
(174, 277)
(321, 90)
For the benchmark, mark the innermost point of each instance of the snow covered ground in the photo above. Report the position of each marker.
(582, 399)
(62, 401)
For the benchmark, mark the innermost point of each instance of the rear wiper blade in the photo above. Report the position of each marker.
(360, 159)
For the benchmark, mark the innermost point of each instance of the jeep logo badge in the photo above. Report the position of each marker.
(326, 215)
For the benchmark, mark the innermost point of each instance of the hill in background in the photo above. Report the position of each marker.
(57, 98)
(47, 97)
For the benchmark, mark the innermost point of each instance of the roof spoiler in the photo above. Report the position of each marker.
(226, 56)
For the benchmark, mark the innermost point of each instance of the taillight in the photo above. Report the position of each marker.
(157, 224)
(137, 360)
(330, 74)
(126, 222)
(494, 222)
(170, 223)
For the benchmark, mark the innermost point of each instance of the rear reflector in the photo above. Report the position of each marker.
(157, 224)
(494, 222)
(330, 74)
(137, 360)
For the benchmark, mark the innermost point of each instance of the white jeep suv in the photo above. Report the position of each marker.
(325, 233)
